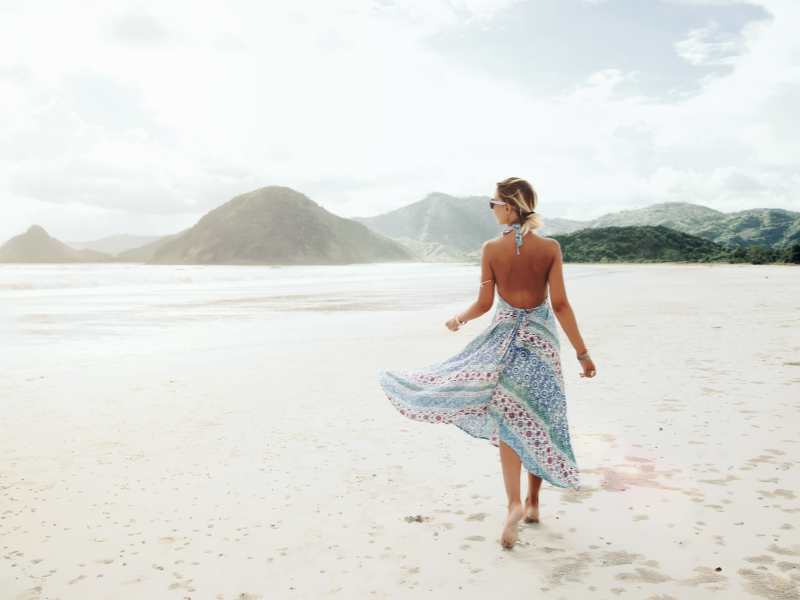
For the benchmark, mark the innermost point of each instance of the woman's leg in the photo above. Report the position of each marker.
(511, 472)
(532, 500)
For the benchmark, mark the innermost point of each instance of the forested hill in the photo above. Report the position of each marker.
(657, 243)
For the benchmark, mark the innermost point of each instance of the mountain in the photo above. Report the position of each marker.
(772, 227)
(680, 216)
(277, 225)
(145, 253)
(445, 227)
(553, 225)
(459, 224)
(758, 226)
(432, 251)
(36, 246)
(637, 243)
(114, 244)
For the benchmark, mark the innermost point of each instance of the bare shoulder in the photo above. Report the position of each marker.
(494, 241)
(491, 244)
(545, 238)
(551, 243)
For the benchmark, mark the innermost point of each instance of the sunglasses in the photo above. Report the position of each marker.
(493, 202)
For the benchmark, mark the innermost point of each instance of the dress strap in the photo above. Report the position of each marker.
(517, 234)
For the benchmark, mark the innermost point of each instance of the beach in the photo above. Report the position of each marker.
(205, 440)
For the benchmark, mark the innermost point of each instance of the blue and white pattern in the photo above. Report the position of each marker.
(506, 384)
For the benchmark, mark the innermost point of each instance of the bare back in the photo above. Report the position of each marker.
(521, 280)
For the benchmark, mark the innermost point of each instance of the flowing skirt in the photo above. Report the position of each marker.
(505, 385)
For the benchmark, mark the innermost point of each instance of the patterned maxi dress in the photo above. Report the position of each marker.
(505, 385)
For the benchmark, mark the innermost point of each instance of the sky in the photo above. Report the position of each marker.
(139, 117)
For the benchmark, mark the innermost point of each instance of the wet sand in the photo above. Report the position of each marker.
(257, 458)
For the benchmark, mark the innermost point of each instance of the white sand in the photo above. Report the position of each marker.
(261, 461)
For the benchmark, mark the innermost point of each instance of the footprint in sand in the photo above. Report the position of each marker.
(793, 551)
(644, 576)
(477, 517)
(35, 593)
(768, 585)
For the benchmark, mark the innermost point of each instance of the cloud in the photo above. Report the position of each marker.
(709, 46)
(713, 2)
(138, 28)
(15, 74)
(368, 106)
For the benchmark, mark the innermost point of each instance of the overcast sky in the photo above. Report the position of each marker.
(138, 117)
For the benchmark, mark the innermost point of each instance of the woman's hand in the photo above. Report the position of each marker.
(589, 369)
(452, 324)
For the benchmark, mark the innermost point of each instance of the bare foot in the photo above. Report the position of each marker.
(531, 511)
(509, 535)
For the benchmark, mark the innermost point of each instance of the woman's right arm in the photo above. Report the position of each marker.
(560, 302)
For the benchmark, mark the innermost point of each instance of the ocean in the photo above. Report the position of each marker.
(49, 303)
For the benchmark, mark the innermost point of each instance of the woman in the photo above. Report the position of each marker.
(506, 385)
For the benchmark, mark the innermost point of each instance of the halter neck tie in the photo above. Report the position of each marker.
(517, 235)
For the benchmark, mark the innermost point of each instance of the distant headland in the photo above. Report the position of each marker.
(276, 225)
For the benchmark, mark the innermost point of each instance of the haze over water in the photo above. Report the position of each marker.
(62, 303)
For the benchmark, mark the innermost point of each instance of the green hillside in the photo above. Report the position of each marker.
(657, 243)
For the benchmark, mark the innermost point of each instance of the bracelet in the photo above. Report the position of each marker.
(582, 356)
(460, 322)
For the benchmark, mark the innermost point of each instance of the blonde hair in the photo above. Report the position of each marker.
(522, 197)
